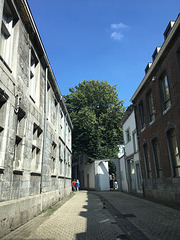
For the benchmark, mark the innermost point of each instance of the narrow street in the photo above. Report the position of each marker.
(103, 215)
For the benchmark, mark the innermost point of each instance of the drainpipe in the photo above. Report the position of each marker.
(16, 110)
(44, 135)
(65, 151)
(134, 109)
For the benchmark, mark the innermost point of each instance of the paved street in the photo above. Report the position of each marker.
(103, 215)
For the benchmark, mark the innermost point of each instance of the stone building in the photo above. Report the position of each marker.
(35, 127)
(157, 104)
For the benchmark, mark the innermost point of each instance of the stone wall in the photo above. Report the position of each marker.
(14, 213)
(35, 127)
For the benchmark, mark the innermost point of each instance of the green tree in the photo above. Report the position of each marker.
(96, 113)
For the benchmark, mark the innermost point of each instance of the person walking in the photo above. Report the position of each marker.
(74, 185)
(77, 184)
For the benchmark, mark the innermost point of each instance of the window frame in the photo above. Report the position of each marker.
(150, 106)
(34, 75)
(7, 32)
(141, 115)
(146, 158)
(128, 135)
(166, 101)
(172, 154)
(157, 157)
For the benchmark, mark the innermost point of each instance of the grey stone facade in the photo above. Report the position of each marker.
(35, 127)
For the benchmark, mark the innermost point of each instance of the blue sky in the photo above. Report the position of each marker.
(105, 40)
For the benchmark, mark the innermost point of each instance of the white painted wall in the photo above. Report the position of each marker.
(89, 175)
(103, 175)
(131, 148)
(131, 125)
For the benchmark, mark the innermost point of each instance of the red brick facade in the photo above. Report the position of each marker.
(167, 186)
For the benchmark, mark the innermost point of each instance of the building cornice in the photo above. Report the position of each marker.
(174, 29)
(28, 20)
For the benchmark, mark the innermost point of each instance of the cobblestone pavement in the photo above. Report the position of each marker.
(136, 215)
(81, 217)
(106, 216)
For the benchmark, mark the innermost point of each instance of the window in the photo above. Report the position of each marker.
(36, 149)
(157, 158)
(54, 112)
(6, 34)
(174, 152)
(146, 161)
(3, 125)
(168, 29)
(128, 136)
(151, 108)
(19, 144)
(34, 77)
(148, 67)
(166, 100)
(135, 145)
(60, 159)
(53, 158)
(156, 53)
(141, 115)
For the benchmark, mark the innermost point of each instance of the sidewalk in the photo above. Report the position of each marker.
(81, 217)
(104, 215)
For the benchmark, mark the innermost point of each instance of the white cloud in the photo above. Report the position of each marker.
(117, 31)
(116, 36)
(119, 26)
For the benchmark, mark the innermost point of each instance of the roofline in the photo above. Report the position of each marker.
(166, 42)
(34, 27)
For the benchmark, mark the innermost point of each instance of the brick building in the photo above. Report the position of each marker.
(157, 104)
(35, 127)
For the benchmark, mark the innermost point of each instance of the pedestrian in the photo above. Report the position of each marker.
(77, 184)
(115, 185)
(74, 185)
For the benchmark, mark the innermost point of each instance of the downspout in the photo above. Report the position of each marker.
(65, 151)
(44, 135)
(16, 110)
(135, 107)
(126, 171)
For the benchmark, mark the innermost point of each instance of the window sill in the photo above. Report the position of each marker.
(143, 129)
(18, 172)
(35, 174)
(167, 109)
(5, 63)
(53, 176)
(32, 99)
(150, 123)
(1, 170)
(1, 129)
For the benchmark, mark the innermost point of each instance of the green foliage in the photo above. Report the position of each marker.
(96, 113)
(112, 168)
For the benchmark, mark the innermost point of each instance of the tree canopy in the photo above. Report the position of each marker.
(96, 112)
